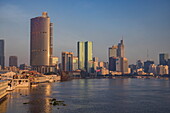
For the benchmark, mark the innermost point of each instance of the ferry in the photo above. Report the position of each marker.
(3, 87)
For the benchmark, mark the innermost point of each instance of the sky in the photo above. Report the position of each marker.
(143, 24)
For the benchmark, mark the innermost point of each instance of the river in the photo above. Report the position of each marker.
(128, 95)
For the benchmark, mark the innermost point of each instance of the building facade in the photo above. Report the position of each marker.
(146, 65)
(2, 54)
(67, 61)
(113, 51)
(75, 63)
(41, 41)
(163, 58)
(85, 55)
(13, 61)
(120, 50)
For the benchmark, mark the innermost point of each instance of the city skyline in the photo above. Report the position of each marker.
(147, 27)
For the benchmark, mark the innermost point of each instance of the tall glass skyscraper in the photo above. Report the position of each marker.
(85, 55)
(41, 40)
(2, 55)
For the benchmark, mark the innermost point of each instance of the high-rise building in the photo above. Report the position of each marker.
(112, 63)
(81, 55)
(2, 54)
(67, 61)
(146, 65)
(75, 63)
(85, 55)
(41, 41)
(120, 50)
(163, 58)
(54, 61)
(88, 56)
(122, 65)
(13, 61)
(113, 51)
(139, 64)
(117, 60)
(95, 63)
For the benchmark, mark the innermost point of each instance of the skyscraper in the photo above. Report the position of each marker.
(139, 64)
(2, 54)
(67, 61)
(112, 63)
(13, 61)
(117, 60)
(41, 41)
(113, 51)
(85, 55)
(163, 58)
(120, 50)
(147, 64)
(81, 55)
(75, 63)
(88, 56)
(122, 65)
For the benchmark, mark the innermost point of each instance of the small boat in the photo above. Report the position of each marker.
(3, 87)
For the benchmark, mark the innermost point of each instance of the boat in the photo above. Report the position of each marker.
(21, 83)
(3, 87)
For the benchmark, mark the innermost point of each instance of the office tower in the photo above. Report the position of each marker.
(13, 61)
(113, 51)
(67, 61)
(88, 55)
(163, 58)
(146, 65)
(139, 64)
(120, 50)
(122, 65)
(81, 55)
(75, 63)
(85, 55)
(54, 60)
(2, 54)
(112, 63)
(41, 40)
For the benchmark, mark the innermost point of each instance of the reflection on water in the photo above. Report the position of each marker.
(29, 100)
(93, 96)
(3, 106)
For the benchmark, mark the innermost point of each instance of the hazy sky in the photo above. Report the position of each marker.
(144, 24)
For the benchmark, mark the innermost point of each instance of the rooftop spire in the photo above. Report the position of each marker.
(44, 14)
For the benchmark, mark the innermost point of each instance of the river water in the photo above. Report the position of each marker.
(92, 96)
